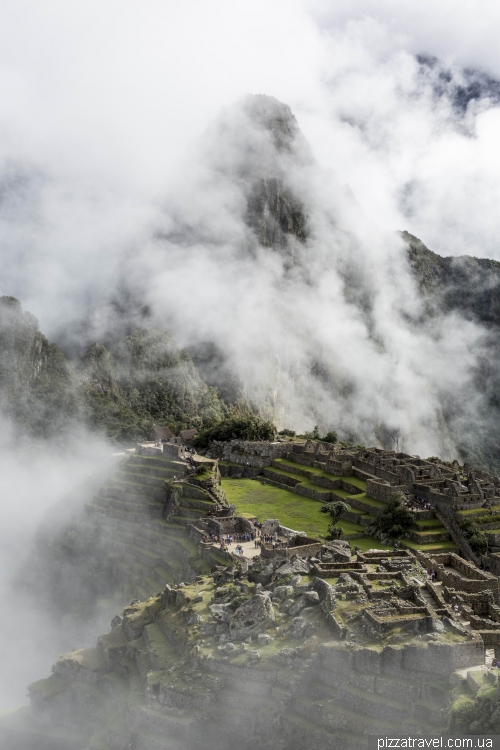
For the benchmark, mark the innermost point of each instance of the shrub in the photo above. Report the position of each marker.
(330, 437)
(475, 537)
(396, 520)
(248, 427)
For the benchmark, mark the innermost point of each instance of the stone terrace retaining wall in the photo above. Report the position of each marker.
(307, 550)
(424, 660)
(257, 455)
(379, 491)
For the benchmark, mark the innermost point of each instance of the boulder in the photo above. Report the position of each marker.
(220, 612)
(298, 606)
(263, 639)
(311, 597)
(297, 627)
(294, 566)
(282, 592)
(322, 588)
(345, 578)
(252, 617)
(340, 551)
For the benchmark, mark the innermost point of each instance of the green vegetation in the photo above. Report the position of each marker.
(396, 521)
(475, 537)
(255, 499)
(335, 510)
(238, 426)
(145, 380)
(479, 715)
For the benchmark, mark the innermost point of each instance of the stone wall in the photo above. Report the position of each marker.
(379, 491)
(256, 454)
(329, 484)
(281, 478)
(322, 497)
(148, 450)
(410, 660)
(308, 550)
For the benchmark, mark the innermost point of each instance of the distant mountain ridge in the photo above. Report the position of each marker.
(145, 380)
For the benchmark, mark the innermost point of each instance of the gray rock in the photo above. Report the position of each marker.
(282, 592)
(194, 619)
(301, 588)
(340, 551)
(322, 588)
(438, 626)
(296, 580)
(263, 639)
(297, 627)
(220, 612)
(254, 655)
(297, 607)
(252, 617)
(311, 597)
(181, 599)
(285, 606)
(345, 578)
(295, 566)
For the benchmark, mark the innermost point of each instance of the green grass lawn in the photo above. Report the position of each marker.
(256, 500)
(432, 523)
(429, 547)
(367, 500)
(348, 527)
(478, 511)
(344, 495)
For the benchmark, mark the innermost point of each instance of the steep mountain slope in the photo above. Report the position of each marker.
(145, 380)
(37, 386)
(467, 285)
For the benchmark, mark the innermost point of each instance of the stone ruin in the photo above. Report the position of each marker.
(294, 653)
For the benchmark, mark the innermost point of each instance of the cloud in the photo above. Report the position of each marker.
(117, 176)
(33, 480)
(119, 172)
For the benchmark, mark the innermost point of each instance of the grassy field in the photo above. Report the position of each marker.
(321, 472)
(256, 500)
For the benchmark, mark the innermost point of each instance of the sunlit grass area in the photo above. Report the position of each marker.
(255, 499)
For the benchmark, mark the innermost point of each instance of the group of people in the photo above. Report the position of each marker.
(417, 503)
(432, 575)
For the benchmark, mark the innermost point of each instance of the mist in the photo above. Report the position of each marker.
(38, 483)
(126, 161)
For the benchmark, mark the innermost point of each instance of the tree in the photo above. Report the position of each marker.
(243, 427)
(335, 509)
(330, 437)
(396, 520)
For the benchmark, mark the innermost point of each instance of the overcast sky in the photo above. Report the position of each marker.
(100, 101)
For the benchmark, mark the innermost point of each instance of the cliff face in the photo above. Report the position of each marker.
(145, 379)
(36, 383)
(470, 286)
(274, 212)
